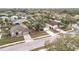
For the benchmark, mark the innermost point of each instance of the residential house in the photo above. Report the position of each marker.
(18, 30)
(53, 24)
(18, 19)
(14, 18)
(4, 16)
(76, 17)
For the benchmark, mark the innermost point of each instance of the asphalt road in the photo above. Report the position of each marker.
(30, 45)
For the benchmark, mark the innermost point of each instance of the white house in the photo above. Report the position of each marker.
(4, 16)
(76, 16)
(53, 24)
(18, 19)
(14, 18)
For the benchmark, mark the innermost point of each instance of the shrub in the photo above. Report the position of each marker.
(65, 43)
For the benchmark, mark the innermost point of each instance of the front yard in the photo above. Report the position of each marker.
(8, 40)
(37, 34)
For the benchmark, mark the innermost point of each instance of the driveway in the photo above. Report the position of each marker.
(30, 45)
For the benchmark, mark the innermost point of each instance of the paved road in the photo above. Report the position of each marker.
(30, 45)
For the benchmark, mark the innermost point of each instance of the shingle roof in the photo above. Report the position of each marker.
(53, 23)
(18, 28)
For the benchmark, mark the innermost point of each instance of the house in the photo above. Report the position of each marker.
(14, 18)
(21, 15)
(4, 16)
(76, 17)
(18, 30)
(53, 24)
(18, 19)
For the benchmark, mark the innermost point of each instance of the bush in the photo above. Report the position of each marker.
(65, 43)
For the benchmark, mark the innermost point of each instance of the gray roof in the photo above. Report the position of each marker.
(53, 23)
(18, 28)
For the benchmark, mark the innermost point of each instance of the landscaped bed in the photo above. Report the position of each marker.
(37, 34)
(10, 40)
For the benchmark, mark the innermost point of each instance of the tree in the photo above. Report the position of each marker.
(66, 22)
(37, 23)
(50, 15)
(1, 22)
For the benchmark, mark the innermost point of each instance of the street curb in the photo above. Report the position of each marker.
(6, 45)
(11, 44)
(70, 30)
(41, 37)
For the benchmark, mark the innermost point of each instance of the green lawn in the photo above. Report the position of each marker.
(10, 40)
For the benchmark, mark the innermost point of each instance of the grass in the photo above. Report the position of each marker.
(10, 40)
(65, 43)
(37, 34)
